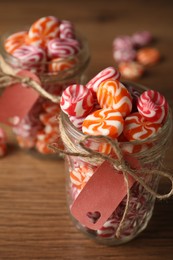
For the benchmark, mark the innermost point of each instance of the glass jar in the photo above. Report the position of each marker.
(39, 127)
(138, 202)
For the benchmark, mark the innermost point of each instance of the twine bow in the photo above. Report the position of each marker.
(118, 163)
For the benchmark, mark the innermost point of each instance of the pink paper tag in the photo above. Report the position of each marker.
(17, 100)
(102, 194)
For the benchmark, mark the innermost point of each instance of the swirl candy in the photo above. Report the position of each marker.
(80, 176)
(153, 106)
(141, 39)
(15, 41)
(77, 100)
(62, 48)
(148, 56)
(59, 64)
(124, 55)
(123, 42)
(114, 95)
(66, 30)
(44, 29)
(131, 70)
(108, 73)
(106, 122)
(136, 127)
(31, 57)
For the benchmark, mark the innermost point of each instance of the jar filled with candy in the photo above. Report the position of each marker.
(52, 50)
(115, 136)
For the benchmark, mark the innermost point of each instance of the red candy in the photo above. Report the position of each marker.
(153, 106)
(77, 100)
(108, 73)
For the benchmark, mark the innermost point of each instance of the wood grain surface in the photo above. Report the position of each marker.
(34, 221)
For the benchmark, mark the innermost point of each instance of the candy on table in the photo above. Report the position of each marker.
(123, 42)
(77, 100)
(148, 56)
(66, 30)
(136, 127)
(153, 106)
(114, 95)
(31, 58)
(131, 70)
(62, 48)
(43, 30)
(141, 39)
(121, 55)
(24, 142)
(3, 141)
(109, 73)
(106, 122)
(59, 64)
(14, 41)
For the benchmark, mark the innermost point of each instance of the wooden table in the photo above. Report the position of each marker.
(34, 223)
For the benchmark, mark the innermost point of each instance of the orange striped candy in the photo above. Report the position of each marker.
(106, 122)
(136, 127)
(43, 30)
(14, 41)
(148, 56)
(57, 65)
(80, 176)
(114, 95)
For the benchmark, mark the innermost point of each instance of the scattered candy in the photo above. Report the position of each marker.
(106, 122)
(136, 127)
(132, 53)
(113, 94)
(121, 55)
(153, 106)
(77, 100)
(148, 56)
(131, 70)
(141, 39)
(123, 43)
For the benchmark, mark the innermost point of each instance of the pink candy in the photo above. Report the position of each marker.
(124, 55)
(62, 48)
(66, 30)
(77, 100)
(31, 57)
(123, 42)
(141, 39)
(153, 106)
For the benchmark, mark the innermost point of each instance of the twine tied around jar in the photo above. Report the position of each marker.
(118, 163)
(8, 76)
